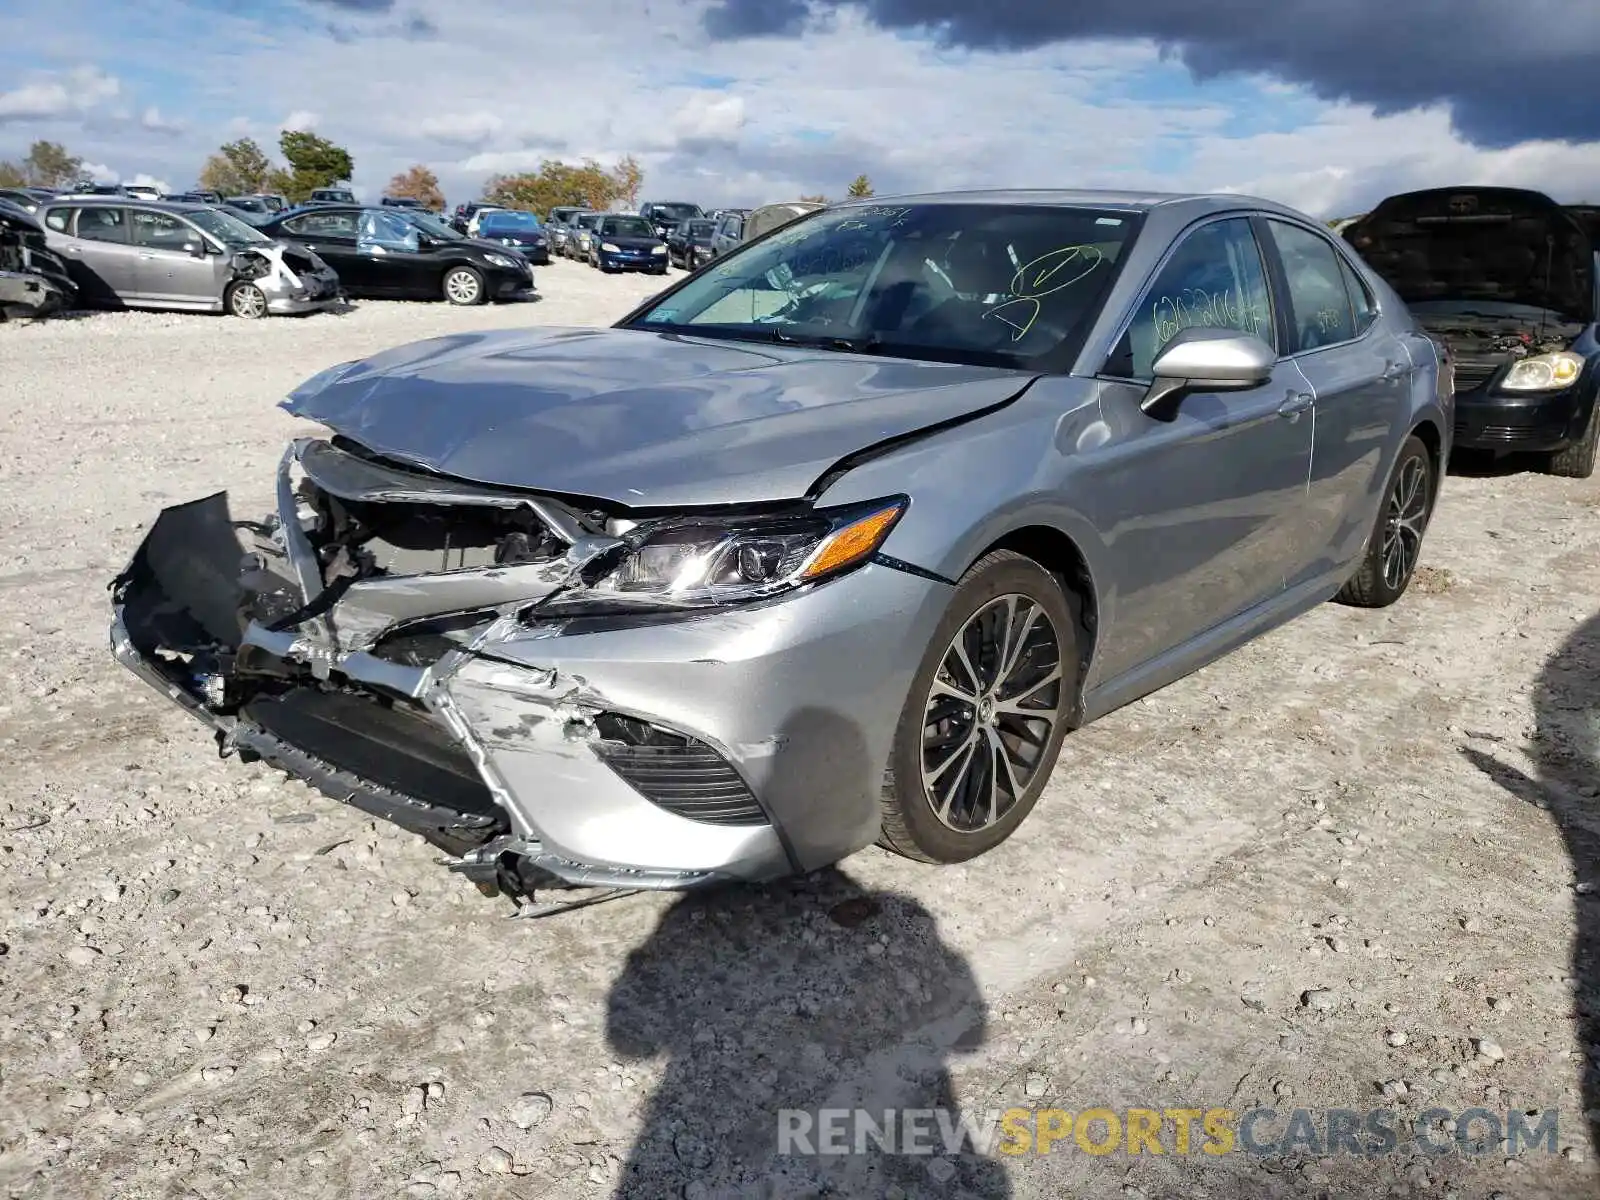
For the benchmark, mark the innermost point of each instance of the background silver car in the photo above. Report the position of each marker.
(155, 254)
(833, 541)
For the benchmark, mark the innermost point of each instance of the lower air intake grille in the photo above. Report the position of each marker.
(1471, 375)
(676, 772)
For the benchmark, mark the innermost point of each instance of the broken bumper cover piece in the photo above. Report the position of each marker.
(743, 744)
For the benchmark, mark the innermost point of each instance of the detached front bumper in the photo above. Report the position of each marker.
(745, 744)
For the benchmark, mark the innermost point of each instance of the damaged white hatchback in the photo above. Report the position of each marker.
(832, 542)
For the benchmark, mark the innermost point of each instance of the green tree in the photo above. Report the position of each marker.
(861, 188)
(314, 162)
(555, 183)
(49, 165)
(11, 175)
(249, 162)
(419, 183)
(278, 181)
(629, 178)
(219, 175)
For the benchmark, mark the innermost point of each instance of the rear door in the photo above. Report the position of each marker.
(175, 265)
(1358, 373)
(331, 235)
(1204, 513)
(101, 255)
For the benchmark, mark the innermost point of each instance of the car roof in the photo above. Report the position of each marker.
(1196, 203)
(88, 201)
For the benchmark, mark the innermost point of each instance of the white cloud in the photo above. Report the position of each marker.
(152, 120)
(465, 129)
(144, 180)
(58, 94)
(497, 91)
(100, 173)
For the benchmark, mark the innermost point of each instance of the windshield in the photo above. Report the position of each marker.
(430, 224)
(510, 220)
(701, 229)
(673, 213)
(586, 220)
(626, 227)
(1000, 285)
(226, 227)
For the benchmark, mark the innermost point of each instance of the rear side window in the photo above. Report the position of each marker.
(1362, 306)
(323, 225)
(1214, 279)
(1319, 304)
(103, 225)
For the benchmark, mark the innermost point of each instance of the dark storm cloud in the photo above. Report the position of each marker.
(1508, 72)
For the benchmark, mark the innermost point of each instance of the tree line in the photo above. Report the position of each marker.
(311, 161)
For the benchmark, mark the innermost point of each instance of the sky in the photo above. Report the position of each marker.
(1327, 107)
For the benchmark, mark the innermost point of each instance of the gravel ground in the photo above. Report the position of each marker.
(1334, 870)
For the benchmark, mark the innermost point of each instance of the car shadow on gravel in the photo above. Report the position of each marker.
(1566, 754)
(772, 1005)
(1487, 464)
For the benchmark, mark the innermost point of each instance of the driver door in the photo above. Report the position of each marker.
(1205, 512)
(391, 250)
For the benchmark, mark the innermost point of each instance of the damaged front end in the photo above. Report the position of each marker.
(33, 281)
(291, 280)
(384, 637)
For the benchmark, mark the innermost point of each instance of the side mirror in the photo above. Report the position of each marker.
(197, 249)
(1210, 359)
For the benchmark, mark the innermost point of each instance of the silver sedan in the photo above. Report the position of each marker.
(833, 542)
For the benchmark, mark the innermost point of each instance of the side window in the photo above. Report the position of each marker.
(1214, 279)
(102, 225)
(385, 231)
(322, 225)
(1318, 302)
(59, 219)
(1362, 304)
(160, 231)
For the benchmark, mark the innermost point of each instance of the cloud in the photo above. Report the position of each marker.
(58, 94)
(99, 172)
(300, 119)
(152, 120)
(358, 6)
(462, 129)
(144, 180)
(1506, 73)
(709, 117)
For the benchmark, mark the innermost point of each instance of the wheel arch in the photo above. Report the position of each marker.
(1057, 552)
(1428, 432)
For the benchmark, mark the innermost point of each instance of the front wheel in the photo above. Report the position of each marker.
(1390, 559)
(247, 301)
(1577, 460)
(988, 707)
(463, 285)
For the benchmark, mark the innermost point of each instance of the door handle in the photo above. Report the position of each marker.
(1296, 404)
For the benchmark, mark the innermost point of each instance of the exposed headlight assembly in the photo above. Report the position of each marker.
(500, 260)
(711, 563)
(1543, 373)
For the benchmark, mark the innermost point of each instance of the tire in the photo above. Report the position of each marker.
(1401, 523)
(1577, 460)
(464, 286)
(981, 810)
(246, 301)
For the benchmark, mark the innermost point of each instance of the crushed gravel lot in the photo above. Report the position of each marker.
(1344, 868)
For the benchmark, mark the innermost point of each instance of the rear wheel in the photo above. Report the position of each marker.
(463, 285)
(988, 707)
(1390, 559)
(1577, 460)
(247, 301)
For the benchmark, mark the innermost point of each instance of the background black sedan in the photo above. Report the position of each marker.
(399, 253)
(518, 229)
(689, 243)
(624, 243)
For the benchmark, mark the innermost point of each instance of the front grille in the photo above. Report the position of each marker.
(389, 745)
(676, 772)
(1507, 434)
(1470, 375)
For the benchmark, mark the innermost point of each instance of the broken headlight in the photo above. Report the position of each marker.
(711, 563)
(1543, 372)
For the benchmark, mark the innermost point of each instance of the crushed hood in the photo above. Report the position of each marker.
(1503, 245)
(637, 418)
